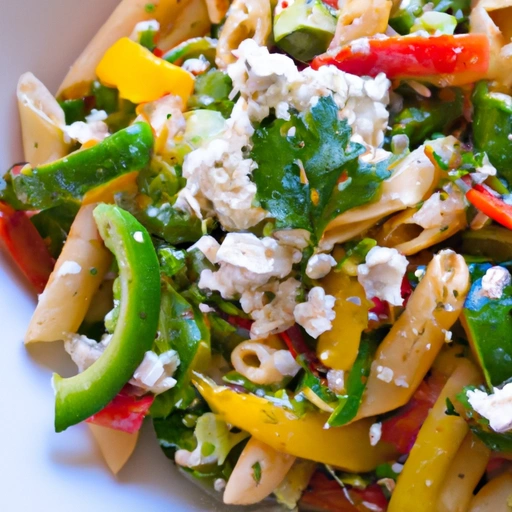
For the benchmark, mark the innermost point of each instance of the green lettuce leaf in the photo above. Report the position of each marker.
(309, 171)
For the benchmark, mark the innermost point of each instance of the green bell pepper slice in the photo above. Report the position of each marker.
(493, 242)
(488, 326)
(69, 178)
(192, 49)
(492, 125)
(79, 397)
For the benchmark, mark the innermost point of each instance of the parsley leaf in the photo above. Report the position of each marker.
(308, 170)
(256, 472)
(450, 408)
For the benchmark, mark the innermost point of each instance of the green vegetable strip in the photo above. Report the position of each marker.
(69, 178)
(356, 382)
(79, 397)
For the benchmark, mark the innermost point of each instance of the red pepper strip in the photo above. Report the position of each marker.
(238, 321)
(401, 430)
(406, 290)
(413, 56)
(331, 3)
(125, 413)
(494, 207)
(26, 247)
(297, 346)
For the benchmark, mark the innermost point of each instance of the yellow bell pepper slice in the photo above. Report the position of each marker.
(140, 76)
(344, 447)
(338, 347)
(438, 441)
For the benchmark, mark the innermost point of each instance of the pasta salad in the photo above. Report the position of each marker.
(281, 234)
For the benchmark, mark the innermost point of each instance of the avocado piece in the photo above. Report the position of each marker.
(488, 326)
(304, 29)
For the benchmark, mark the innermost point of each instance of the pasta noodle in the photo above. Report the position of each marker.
(372, 18)
(115, 446)
(463, 475)
(494, 496)
(77, 276)
(217, 9)
(42, 121)
(415, 339)
(439, 439)
(246, 19)
(262, 364)
(244, 486)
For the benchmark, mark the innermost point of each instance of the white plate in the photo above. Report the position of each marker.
(41, 470)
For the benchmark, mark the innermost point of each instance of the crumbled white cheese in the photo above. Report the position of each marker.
(496, 407)
(277, 315)
(138, 237)
(208, 246)
(84, 351)
(361, 45)
(447, 336)
(204, 308)
(196, 66)
(273, 81)
(439, 211)
(218, 175)
(247, 262)
(401, 382)
(219, 484)
(69, 267)
(319, 265)
(317, 313)
(494, 281)
(428, 483)
(382, 274)
(298, 238)
(484, 171)
(86, 132)
(336, 381)
(384, 373)
(155, 372)
(96, 115)
(397, 467)
(375, 433)
(285, 363)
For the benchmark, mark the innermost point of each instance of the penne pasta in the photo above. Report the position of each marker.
(246, 19)
(259, 470)
(463, 475)
(435, 448)
(418, 335)
(77, 275)
(42, 122)
(191, 21)
(361, 18)
(120, 24)
(217, 10)
(115, 446)
(494, 496)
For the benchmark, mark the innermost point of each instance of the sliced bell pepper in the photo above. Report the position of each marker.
(69, 178)
(438, 441)
(79, 397)
(413, 57)
(338, 347)
(493, 206)
(141, 76)
(125, 413)
(26, 247)
(345, 447)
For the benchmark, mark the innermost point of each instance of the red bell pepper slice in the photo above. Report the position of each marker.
(401, 430)
(126, 412)
(26, 247)
(413, 56)
(493, 206)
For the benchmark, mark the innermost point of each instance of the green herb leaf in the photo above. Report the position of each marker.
(450, 408)
(211, 92)
(256, 472)
(308, 170)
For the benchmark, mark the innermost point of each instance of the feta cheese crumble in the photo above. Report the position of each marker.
(496, 407)
(494, 281)
(375, 433)
(384, 374)
(69, 267)
(138, 237)
(336, 381)
(317, 313)
(382, 274)
(319, 265)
